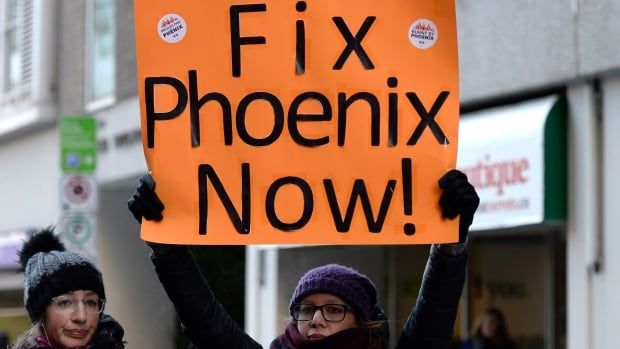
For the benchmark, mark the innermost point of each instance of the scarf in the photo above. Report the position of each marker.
(352, 338)
(479, 342)
(108, 343)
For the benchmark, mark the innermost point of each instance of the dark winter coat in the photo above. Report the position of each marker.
(207, 324)
(478, 342)
(109, 336)
(352, 338)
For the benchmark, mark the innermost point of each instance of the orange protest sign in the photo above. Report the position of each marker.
(298, 122)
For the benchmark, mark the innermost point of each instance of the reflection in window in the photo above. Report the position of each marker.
(102, 73)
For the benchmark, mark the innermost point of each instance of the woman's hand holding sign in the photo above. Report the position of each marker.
(144, 202)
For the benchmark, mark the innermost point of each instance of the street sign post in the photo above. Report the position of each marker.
(78, 187)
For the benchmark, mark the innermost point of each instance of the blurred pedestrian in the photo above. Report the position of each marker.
(65, 298)
(489, 332)
(333, 306)
(4, 340)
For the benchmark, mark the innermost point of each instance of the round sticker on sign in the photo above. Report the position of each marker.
(171, 28)
(423, 33)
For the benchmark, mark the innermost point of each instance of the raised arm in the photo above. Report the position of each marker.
(204, 320)
(431, 322)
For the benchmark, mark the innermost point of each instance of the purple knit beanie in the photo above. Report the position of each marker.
(352, 287)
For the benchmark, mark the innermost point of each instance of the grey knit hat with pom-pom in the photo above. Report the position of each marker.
(50, 270)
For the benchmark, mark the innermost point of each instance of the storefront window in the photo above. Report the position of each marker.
(101, 75)
(518, 277)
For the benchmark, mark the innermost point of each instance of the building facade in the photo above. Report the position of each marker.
(555, 275)
(75, 58)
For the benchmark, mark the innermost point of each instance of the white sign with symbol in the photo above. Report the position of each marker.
(78, 233)
(78, 193)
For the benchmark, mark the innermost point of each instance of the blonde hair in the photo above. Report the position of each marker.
(28, 336)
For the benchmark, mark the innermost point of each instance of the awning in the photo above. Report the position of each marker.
(515, 156)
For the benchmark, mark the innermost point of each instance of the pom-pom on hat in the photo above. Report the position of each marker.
(50, 271)
(351, 286)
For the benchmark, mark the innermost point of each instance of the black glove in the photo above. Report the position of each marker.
(458, 198)
(144, 202)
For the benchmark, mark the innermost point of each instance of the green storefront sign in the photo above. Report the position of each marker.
(78, 144)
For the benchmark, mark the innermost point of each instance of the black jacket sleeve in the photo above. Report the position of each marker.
(431, 322)
(205, 322)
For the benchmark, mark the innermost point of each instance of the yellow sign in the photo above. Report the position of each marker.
(298, 122)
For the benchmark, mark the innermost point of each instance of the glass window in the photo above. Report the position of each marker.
(101, 75)
(12, 57)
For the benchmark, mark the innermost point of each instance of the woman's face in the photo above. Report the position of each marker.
(317, 327)
(71, 319)
(489, 326)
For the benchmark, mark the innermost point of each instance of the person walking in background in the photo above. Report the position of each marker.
(4, 340)
(489, 332)
(332, 306)
(65, 298)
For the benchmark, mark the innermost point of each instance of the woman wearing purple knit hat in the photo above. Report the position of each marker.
(332, 306)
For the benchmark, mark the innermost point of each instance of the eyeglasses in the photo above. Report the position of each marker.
(330, 312)
(69, 304)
